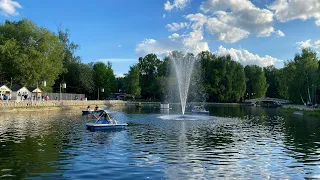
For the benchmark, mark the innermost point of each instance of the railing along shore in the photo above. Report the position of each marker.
(53, 103)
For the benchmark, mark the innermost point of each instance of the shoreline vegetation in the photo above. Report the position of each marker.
(300, 110)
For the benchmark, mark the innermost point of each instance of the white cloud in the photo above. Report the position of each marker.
(240, 14)
(178, 4)
(121, 75)
(192, 42)
(246, 58)
(220, 30)
(8, 7)
(308, 44)
(286, 10)
(176, 26)
(222, 5)
(198, 20)
(160, 47)
(174, 36)
(304, 44)
(230, 20)
(117, 60)
(224, 32)
(317, 44)
(280, 33)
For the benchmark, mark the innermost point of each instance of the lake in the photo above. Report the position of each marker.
(236, 142)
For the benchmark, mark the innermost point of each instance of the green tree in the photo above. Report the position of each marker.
(79, 78)
(300, 75)
(149, 71)
(120, 84)
(29, 53)
(77, 75)
(104, 78)
(223, 78)
(256, 81)
(238, 81)
(110, 80)
(132, 81)
(272, 76)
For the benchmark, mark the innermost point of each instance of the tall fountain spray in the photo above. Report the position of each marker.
(183, 65)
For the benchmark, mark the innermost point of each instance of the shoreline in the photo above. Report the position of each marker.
(35, 105)
(300, 110)
(27, 106)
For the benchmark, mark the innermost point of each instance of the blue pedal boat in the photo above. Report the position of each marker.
(96, 127)
(104, 122)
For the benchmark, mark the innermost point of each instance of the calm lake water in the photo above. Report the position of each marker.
(238, 142)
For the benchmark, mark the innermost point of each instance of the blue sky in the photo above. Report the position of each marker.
(262, 32)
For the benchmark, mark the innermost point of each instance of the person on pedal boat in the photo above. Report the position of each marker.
(105, 119)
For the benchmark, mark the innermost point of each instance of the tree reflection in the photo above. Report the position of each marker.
(302, 134)
(31, 141)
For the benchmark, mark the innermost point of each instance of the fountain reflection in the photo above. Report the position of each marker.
(180, 117)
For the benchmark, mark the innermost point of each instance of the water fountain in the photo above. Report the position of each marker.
(183, 68)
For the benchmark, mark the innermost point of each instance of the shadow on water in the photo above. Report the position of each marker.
(29, 141)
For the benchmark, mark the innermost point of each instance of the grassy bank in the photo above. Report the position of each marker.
(308, 112)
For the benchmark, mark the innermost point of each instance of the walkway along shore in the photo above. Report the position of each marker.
(9, 106)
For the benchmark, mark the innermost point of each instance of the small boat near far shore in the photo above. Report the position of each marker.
(298, 113)
(199, 110)
(86, 112)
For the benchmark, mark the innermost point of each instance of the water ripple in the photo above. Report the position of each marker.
(57, 146)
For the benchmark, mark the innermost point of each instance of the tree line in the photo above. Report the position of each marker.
(221, 79)
(30, 54)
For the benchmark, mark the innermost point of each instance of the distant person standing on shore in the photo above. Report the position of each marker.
(47, 98)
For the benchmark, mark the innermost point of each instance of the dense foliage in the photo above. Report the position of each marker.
(224, 79)
(256, 81)
(131, 81)
(30, 54)
(272, 76)
(300, 77)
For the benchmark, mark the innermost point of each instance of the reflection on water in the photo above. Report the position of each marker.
(243, 143)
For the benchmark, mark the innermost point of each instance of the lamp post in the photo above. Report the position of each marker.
(102, 90)
(64, 86)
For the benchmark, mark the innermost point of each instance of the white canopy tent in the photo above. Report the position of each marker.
(4, 90)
